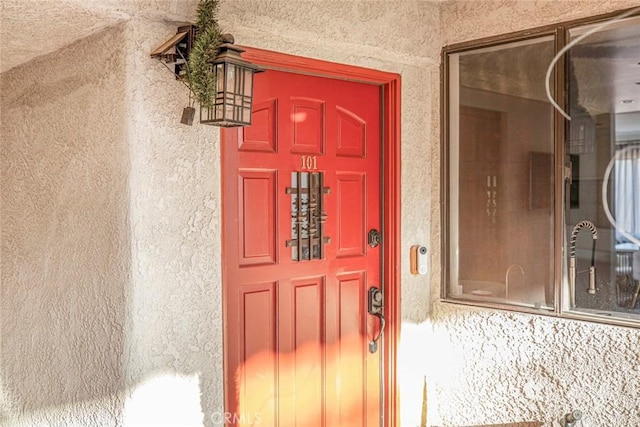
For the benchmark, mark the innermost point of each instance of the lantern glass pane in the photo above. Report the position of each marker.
(239, 79)
(219, 78)
(231, 78)
(248, 82)
(234, 90)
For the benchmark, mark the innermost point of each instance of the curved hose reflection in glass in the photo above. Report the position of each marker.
(605, 203)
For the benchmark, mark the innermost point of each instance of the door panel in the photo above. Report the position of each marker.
(481, 186)
(302, 372)
(261, 136)
(257, 210)
(298, 331)
(351, 214)
(307, 121)
(257, 317)
(351, 302)
(352, 134)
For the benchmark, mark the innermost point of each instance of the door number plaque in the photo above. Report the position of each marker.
(309, 162)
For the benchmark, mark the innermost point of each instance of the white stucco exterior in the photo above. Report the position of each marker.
(110, 293)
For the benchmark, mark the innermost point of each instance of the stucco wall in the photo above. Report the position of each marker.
(111, 289)
(111, 281)
(65, 236)
(174, 323)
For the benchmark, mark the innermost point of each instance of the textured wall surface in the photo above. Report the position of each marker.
(31, 28)
(111, 290)
(174, 326)
(65, 236)
(111, 277)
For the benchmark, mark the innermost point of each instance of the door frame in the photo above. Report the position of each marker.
(391, 162)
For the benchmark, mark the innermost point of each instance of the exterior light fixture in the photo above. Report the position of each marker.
(234, 87)
(233, 76)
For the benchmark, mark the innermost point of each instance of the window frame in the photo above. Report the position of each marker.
(560, 33)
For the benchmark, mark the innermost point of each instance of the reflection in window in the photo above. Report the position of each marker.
(604, 136)
(502, 140)
(627, 194)
(501, 179)
(627, 208)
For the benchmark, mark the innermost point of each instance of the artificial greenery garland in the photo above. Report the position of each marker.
(200, 75)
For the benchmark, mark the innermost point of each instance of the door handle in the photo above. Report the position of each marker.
(375, 308)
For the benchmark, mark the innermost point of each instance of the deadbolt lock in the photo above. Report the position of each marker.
(374, 237)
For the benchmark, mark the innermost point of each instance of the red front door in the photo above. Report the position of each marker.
(301, 193)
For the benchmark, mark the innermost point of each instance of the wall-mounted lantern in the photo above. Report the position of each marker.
(234, 87)
(233, 75)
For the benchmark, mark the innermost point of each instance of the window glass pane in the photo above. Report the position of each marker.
(603, 146)
(501, 183)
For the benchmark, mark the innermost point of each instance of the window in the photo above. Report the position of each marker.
(526, 224)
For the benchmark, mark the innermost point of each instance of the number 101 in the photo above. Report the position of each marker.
(309, 162)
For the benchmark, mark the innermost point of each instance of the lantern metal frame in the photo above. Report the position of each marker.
(234, 87)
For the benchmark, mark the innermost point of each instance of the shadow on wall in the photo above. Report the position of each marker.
(64, 232)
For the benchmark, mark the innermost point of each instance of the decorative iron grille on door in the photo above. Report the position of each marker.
(307, 216)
